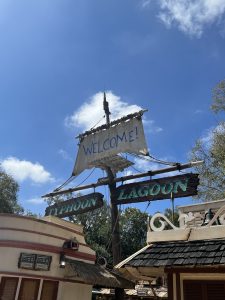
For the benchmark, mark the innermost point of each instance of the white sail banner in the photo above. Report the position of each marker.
(124, 137)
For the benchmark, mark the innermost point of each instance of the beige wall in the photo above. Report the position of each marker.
(9, 258)
(49, 230)
(46, 237)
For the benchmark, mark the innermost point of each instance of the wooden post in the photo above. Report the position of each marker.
(172, 200)
(115, 230)
(114, 209)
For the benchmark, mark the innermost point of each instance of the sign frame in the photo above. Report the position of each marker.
(27, 261)
(75, 206)
(32, 261)
(43, 262)
(184, 185)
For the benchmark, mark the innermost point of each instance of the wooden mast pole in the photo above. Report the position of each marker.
(115, 230)
(116, 248)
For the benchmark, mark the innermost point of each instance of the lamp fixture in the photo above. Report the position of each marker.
(71, 244)
(62, 260)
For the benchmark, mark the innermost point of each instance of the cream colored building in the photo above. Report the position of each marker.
(47, 259)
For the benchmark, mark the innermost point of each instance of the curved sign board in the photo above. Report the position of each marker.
(158, 189)
(75, 206)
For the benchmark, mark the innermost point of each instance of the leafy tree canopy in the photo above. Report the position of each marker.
(8, 194)
(219, 97)
(97, 228)
(212, 151)
(133, 226)
(172, 216)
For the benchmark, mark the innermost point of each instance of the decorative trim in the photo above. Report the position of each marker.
(219, 214)
(47, 248)
(184, 220)
(41, 221)
(163, 223)
(191, 270)
(39, 233)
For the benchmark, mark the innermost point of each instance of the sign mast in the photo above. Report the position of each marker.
(116, 248)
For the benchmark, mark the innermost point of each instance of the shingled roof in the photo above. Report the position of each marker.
(181, 253)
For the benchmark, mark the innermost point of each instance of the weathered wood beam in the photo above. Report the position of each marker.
(105, 181)
(112, 123)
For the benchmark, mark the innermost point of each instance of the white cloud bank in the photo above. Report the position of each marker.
(207, 138)
(64, 155)
(36, 201)
(22, 170)
(91, 112)
(190, 16)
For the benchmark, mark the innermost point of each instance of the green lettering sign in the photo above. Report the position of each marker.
(133, 194)
(167, 188)
(158, 189)
(75, 205)
(182, 184)
(122, 195)
(143, 191)
(154, 190)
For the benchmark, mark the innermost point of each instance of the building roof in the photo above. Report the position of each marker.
(179, 253)
(96, 275)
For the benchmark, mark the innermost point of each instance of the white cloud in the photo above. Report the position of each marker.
(207, 138)
(64, 155)
(191, 16)
(143, 166)
(91, 112)
(151, 127)
(198, 111)
(22, 170)
(146, 3)
(36, 201)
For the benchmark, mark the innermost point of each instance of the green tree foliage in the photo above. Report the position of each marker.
(219, 97)
(97, 228)
(212, 151)
(133, 226)
(8, 194)
(172, 217)
(212, 171)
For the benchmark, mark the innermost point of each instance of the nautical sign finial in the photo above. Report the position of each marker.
(106, 109)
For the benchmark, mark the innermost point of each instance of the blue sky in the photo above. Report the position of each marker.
(57, 56)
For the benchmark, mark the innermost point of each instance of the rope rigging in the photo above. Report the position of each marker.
(154, 159)
(70, 179)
